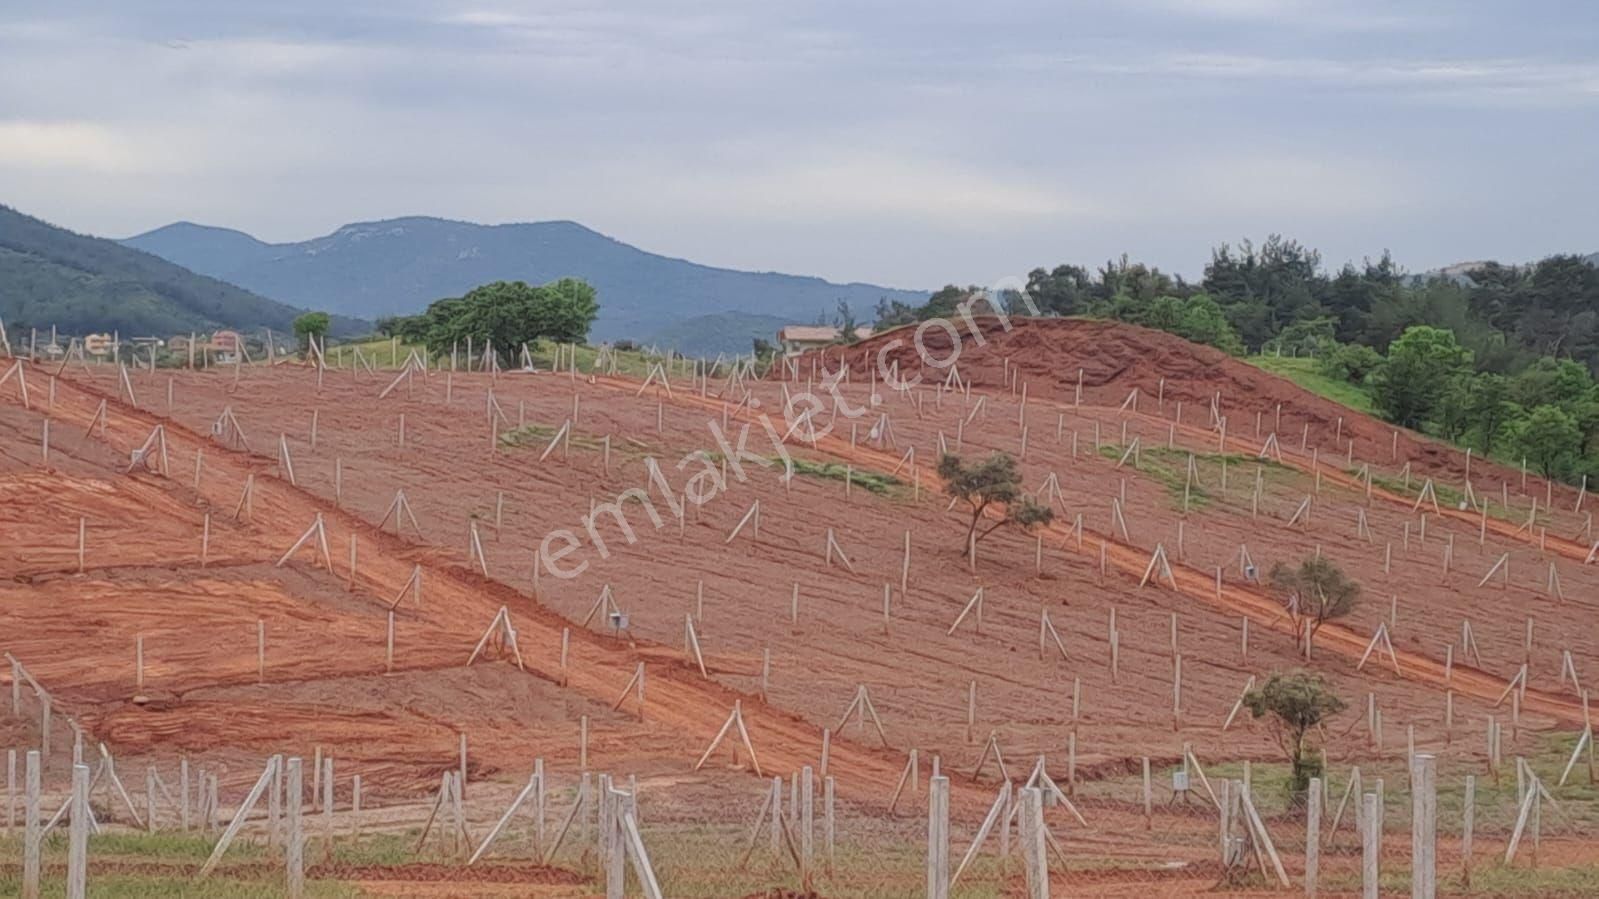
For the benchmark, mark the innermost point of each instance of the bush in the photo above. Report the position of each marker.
(1350, 362)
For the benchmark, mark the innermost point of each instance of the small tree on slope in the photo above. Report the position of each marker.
(1298, 701)
(991, 483)
(1317, 590)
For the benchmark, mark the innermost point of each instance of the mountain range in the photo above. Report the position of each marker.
(398, 266)
(52, 277)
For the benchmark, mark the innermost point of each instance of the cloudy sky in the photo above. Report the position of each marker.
(903, 143)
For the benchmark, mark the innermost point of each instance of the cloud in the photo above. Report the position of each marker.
(1289, 186)
(832, 185)
(70, 145)
(1321, 15)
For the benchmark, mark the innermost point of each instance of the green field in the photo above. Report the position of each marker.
(1304, 372)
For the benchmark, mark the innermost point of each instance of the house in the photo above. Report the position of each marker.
(796, 339)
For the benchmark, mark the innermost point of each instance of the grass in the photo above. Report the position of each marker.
(880, 484)
(132, 865)
(1496, 804)
(1161, 465)
(382, 354)
(1306, 373)
(1170, 467)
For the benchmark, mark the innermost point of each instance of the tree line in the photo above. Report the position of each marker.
(1497, 357)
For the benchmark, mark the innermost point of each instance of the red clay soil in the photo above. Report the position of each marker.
(1256, 603)
(1112, 358)
(325, 685)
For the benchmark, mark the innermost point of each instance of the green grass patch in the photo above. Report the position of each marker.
(1169, 467)
(1307, 374)
(880, 484)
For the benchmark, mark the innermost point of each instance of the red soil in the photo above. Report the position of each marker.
(325, 684)
(1049, 355)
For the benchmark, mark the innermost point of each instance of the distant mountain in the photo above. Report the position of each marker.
(719, 332)
(398, 266)
(50, 276)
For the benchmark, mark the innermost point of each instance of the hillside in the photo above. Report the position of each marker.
(53, 277)
(398, 266)
(719, 332)
(1152, 623)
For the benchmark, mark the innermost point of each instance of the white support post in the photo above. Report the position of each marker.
(1370, 845)
(294, 850)
(31, 835)
(1424, 827)
(938, 838)
(1031, 825)
(78, 834)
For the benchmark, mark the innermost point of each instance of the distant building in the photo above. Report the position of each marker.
(796, 339)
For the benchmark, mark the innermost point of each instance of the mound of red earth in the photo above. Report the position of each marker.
(1052, 356)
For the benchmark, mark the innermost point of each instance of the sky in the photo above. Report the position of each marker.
(907, 144)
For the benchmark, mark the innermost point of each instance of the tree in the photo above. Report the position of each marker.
(1490, 408)
(846, 322)
(1063, 290)
(1452, 413)
(505, 315)
(311, 325)
(1352, 362)
(1316, 590)
(564, 310)
(993, 482)
(1549, 439)
(1420, 365)
(1298, 701)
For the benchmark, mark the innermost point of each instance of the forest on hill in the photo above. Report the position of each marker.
(53, 278)
(1497, 357)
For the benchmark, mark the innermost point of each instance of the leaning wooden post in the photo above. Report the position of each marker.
(1423, 827)
(1468, 823)
(938, 838)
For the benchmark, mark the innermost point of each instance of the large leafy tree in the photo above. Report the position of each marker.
(1420, 366)
(1063, 290)
(1550, 440)
(506, 314)
(311, 325)
(565, 310)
